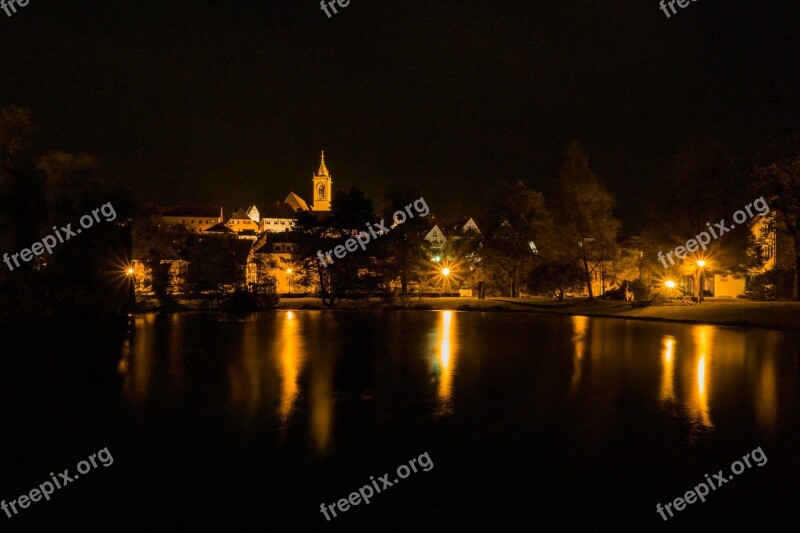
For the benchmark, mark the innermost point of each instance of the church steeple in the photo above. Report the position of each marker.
(323, 170)
(322, 185)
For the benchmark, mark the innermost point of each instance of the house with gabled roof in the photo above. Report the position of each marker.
(243, 224)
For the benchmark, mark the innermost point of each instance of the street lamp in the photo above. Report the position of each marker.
(701, 264)
(670, 285)
(289, 279)
(445, 275)
(129, 271)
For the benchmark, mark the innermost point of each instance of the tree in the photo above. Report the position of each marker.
(558, 276)
(405, 253)
(701, 188)
(354, 273)
(21, 184)
(82, 276)
(216, 262)
(779, 182)
(519, 225)
(154, 243)
(588, 228)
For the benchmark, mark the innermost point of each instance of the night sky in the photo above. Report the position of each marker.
(231, 102)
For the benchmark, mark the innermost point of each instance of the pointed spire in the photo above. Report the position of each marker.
(323, 170)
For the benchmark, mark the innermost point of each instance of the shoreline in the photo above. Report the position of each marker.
(780, 316)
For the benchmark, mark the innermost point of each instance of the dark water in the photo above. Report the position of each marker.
(532, 422)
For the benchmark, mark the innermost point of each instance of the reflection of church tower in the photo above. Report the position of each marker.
(321, 198)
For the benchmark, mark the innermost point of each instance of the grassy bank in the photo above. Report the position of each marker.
(723, 312)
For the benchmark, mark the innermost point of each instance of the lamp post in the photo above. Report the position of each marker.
(289, 279)
(669, 284)
(446, 274)
(701, 264)
(129, 273)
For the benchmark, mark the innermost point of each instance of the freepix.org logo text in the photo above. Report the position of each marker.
(375, 230)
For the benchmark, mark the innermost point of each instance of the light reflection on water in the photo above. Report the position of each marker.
(701, 367)
(291, 357)
(279, 368)
(581, 324)
(698, 377)
(668, 381)
(444, 360)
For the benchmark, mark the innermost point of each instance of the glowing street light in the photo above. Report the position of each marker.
(669, 284)
(445, 271)
(129, 271)
(289, 279)
(702, 283)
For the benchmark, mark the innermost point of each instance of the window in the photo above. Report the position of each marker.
(321, 192)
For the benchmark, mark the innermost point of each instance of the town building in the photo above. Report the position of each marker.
(274, 256)
(280, 216)
(195, 219)
(323, 187)
(245, 226)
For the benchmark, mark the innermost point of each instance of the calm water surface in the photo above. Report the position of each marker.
(533, 422)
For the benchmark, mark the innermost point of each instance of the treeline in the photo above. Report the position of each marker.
(568, 242)
(572, 242)
(84, 278)
(521, 243)
(708, 181)
(215, 265)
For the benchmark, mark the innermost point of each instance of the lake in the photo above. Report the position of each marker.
(531, 421)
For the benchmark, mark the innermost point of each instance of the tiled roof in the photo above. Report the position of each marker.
(279, 210)
(189, 211)
(240, 214)
(219, 228)
(296, 202)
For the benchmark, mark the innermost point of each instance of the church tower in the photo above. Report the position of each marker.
(322, 188)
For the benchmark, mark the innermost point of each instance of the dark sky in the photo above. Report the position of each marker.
(230, 102)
